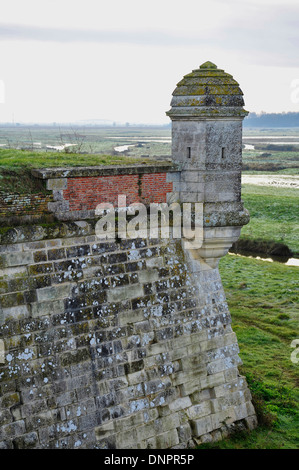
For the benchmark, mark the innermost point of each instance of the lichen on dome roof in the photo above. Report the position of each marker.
(208, 65)
(207, 91)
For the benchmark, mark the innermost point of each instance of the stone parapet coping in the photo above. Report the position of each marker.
(77, 172)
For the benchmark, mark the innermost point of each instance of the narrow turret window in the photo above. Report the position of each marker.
(189, 152)
(222, 152)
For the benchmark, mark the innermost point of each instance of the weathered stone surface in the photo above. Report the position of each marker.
(57, 183)
(72, 172)
(207, 92)
(101, 354)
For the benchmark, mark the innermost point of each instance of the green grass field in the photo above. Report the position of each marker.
(273, 214)
(276, 161)
(263, 299)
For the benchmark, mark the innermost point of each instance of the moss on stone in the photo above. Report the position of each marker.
(208, 65)
(204, 90)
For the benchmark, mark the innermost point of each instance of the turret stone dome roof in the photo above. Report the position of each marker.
(207, 92)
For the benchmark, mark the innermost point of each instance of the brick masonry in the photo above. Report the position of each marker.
(14, 204)
(114, 345)
(86, 193)
(77, 191)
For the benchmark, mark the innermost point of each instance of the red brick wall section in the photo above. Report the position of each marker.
(85, 193)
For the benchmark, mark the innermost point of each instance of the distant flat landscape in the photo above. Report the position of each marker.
(265, 151)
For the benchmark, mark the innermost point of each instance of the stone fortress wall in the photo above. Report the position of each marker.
(128, 344)
(115, 345)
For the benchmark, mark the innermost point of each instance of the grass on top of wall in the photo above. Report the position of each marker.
(15, 166)
(11, 158)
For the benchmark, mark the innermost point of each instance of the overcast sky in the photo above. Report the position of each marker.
(120, 60)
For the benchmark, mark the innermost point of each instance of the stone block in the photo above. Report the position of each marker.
(137, 377)
(150, 275)
(57, 184)
(251, 422)
(56, 254)
(14, 313)
(165, 423)
(184, 432)
(105, 429)
(12, 430)
(131, 317)
(201, 426)
(145, 432)
(212, 380)
(244, 410)
(164, 441)
(174, 196)
(199, 410)
(18, 259)
(54, 292)
(173, 177)
(224, 417)
(28, 441)
(59, 208)
(124, 293)
(126, 439)
(13, 272)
